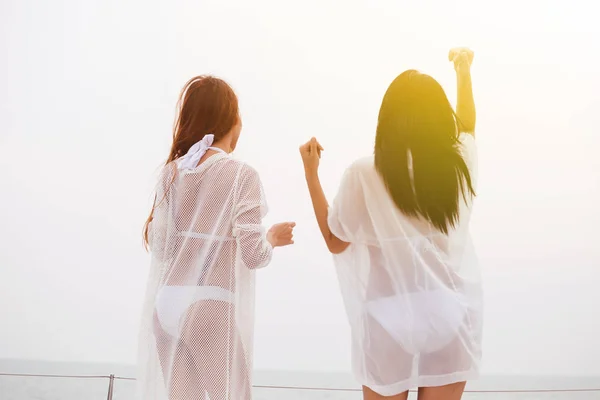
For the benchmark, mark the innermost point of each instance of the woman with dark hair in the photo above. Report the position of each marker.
(206, 240)
(399, 232)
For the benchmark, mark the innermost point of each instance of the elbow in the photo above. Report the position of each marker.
(253, 249)
(258, 259)
(257, 262)
(336, 245)
(335, 250)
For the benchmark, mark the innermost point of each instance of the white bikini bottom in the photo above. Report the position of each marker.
(421, 322)
(172, 303)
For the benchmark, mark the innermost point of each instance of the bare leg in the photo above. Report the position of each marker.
(453, 391)
(186, 382)
(211, 336)
(368, 394)
(177, 363)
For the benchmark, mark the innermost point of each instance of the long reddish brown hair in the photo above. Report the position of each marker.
(207, 105)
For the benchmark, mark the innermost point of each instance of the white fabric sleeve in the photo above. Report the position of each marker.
(157, 230)
(251, 207)
(154, 227)
(344, 216)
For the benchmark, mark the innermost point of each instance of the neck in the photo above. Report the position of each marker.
(224, 145)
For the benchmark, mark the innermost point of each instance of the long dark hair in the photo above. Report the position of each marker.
(416, 123)
(206, 105)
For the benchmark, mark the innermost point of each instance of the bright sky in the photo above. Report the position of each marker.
(87, 100)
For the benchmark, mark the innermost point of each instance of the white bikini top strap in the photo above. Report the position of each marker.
(217, 149)
(195, 153)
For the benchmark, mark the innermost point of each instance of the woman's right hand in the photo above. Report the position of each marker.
(462, 58)
(465, 105)
(281, 234)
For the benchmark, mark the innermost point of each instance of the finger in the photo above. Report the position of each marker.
(470, 55)
(305, 146)
(285, 226)
(317, 144)
(315, 148)
(456, 52)
(463, 56)
(280, 227)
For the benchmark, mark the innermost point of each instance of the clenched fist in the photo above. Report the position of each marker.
(281, 234)
(311, 153)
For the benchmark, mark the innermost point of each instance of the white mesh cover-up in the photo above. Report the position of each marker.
(206, 241)
(412, 294)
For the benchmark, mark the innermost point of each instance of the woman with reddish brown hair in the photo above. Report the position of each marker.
(206, 240)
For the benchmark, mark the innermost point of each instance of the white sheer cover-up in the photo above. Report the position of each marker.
(412, 294)
(206, 241)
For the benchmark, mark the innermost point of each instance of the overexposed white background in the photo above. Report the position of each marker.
(87, 100)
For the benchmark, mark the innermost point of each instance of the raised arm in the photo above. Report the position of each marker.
(311, 152)
(465, 104)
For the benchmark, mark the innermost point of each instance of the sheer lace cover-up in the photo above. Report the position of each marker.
(412, 294)
(206, 242)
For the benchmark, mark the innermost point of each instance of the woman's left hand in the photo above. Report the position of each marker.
(311, 153)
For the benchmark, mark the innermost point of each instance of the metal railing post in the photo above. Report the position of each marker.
(111, 383)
